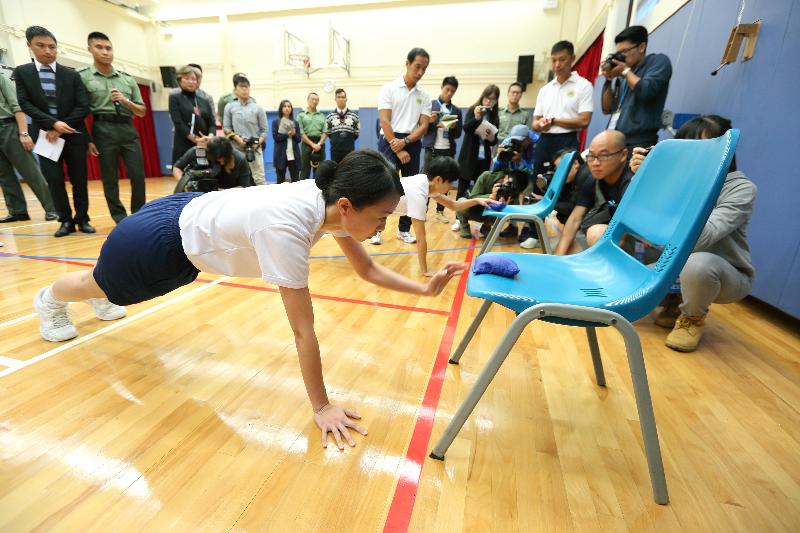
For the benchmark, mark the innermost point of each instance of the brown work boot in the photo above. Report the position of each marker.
(670, 311)
(687, 333)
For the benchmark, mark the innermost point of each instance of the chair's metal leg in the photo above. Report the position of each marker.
(644, 406)
(473, 327)
(481, 384)
(540, 228)
(596, 360)
(494, 234)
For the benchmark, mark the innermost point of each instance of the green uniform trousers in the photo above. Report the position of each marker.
(13, 155)
(115, 140)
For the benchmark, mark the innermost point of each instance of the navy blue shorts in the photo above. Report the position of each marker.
(143, 257)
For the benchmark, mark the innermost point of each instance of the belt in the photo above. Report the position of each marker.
(7, 120)
(107, 117)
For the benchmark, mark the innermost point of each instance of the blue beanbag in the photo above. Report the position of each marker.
(495, 264)
(497, 206)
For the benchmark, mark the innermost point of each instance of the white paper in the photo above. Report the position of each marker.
(45, 148)
(486, 130)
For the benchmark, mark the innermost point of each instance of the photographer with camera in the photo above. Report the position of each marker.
(212, 165)
(719, 269)
(245, 124)
(515, 154)
(563, 106)
(500, 186)
(475, 156)
(636, 88)
(597, 199)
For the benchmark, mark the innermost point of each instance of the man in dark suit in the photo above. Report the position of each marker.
(56, 100)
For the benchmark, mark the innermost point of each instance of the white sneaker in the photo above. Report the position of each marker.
(376, 239)
(456, 226)
(406, 237)
(54, 322)
(105, 310)
(440, 217)
(529, 243)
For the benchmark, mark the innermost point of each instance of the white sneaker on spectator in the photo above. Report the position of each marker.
(376, 239)
(54, 322)
(529, 243)
(105, 310)
(456, 226)
(406, 237)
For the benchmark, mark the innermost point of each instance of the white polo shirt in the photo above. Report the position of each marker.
(565, 100)
(406, 104)
(255, 232)
(414, 202)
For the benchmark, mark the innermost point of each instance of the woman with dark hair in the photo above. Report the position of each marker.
(719, 269)
(262, 232)
(192, 116)
(286, 133)
(228, 166)
(476, 149)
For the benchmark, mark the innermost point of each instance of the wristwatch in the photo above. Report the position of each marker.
(24, 134)
(405, 141)
(553, 121)
(625, 71)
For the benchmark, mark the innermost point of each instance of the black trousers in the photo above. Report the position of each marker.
(409, 169)
(548, 145)
(291, 166)
(338, 155)
(74, 157)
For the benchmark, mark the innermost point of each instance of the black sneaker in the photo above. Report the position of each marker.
(525, 234)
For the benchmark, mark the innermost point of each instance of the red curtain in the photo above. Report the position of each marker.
(588, 66)
(147, 138)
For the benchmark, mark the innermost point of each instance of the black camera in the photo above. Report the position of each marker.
(508, 151)
(203, 179)
(608, 64)
(250, 146)
(506, 191)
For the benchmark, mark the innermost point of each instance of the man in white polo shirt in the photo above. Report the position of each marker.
(563, 107)
(405, 112)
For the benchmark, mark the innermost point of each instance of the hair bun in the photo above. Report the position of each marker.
(325, 173)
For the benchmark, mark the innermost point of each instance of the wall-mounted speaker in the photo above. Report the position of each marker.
(169, 77)
(525, 70)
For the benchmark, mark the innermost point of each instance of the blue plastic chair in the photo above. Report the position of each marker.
(535, 212)
(667, 203)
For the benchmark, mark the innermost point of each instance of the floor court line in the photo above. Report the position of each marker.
(113, 326)
(16, 320)
(337, 298)
(405, 494)
(9, 361)
(260, 288)
(42, 223)
(67, 258)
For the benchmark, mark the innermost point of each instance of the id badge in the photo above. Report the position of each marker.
(612, 124)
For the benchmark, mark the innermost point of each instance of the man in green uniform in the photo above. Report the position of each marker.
(114, 99)
(15, 152)
(313, 132)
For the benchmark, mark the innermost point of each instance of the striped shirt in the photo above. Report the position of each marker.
(47, 77)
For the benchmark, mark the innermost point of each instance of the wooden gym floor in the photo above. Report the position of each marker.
(190, 414)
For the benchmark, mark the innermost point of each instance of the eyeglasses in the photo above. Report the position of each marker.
(625, 51)
(602, 157)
